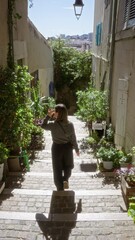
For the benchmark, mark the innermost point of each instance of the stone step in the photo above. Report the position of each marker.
(29, 200)
(37, 227)
(79, 217)
(45, 155)
(87, 165)
(44, 180)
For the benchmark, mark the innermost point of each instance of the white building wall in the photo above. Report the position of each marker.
(20, 30)
(39, 52)
(101, 53)
(124, 68)
(39, 57)
(45, 75)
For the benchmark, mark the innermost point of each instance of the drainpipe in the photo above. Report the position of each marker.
(109, 29)
(112, 53)
(10, 57)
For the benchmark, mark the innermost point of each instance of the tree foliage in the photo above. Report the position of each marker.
(71, 67)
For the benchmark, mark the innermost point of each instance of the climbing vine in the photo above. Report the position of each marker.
(10, 56)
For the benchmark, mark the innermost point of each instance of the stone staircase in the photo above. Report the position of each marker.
(92, 209)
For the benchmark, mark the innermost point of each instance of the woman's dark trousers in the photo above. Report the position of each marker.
(62, 161)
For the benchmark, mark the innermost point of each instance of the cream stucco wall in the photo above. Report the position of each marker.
(29, 45)
(20, 31)
(124, 68)
(101, 53)
(39, 57)
(45, 75)
(39, 52)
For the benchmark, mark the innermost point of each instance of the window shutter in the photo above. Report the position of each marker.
(98, 34)
(126, 13)
(129, 13)
(132, 10)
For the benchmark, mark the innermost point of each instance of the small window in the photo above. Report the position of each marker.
(98, 34)
(129, 14)
(107, 2)
(20, 62)
(35, 80)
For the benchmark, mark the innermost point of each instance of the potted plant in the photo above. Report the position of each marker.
(126, 160)
(3, 156)
(109, 156)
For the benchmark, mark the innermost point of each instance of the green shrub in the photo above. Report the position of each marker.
(16, 118)
(131, 209)
(92, 105)
(4, 152)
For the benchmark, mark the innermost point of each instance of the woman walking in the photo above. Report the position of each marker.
(64, 140)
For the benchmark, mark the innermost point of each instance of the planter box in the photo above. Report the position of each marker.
(14, 164)
(127, 191)
(99, 126)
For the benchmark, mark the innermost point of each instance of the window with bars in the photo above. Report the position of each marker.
(129, 14)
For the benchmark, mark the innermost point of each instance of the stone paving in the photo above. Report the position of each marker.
(32, 209)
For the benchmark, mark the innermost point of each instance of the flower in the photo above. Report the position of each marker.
(126, 171)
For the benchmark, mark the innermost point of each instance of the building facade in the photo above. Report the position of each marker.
(114, 64)
(29, 46)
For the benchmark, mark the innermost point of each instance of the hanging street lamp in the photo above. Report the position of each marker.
(78, 7)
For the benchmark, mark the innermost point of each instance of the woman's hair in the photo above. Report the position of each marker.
(62, 112)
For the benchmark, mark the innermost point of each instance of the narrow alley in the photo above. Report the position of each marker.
(32, 209)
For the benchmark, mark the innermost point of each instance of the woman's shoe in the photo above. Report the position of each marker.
(65, 185)
(60, 189)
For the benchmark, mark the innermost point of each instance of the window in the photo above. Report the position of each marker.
(20, 62)
(34, 81)
(98, 34)
(107, 2)
(129, 14)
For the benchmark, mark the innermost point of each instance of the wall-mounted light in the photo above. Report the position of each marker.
(78, 7)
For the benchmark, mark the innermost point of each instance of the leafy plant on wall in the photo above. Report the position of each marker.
(16, 119)
(10, 56)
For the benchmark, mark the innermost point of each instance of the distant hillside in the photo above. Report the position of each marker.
(81, 37)
(87, 37)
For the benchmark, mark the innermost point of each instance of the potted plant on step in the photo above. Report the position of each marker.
(109, 156)
(3, 157)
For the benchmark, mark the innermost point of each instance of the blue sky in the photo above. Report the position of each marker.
(55, 17)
